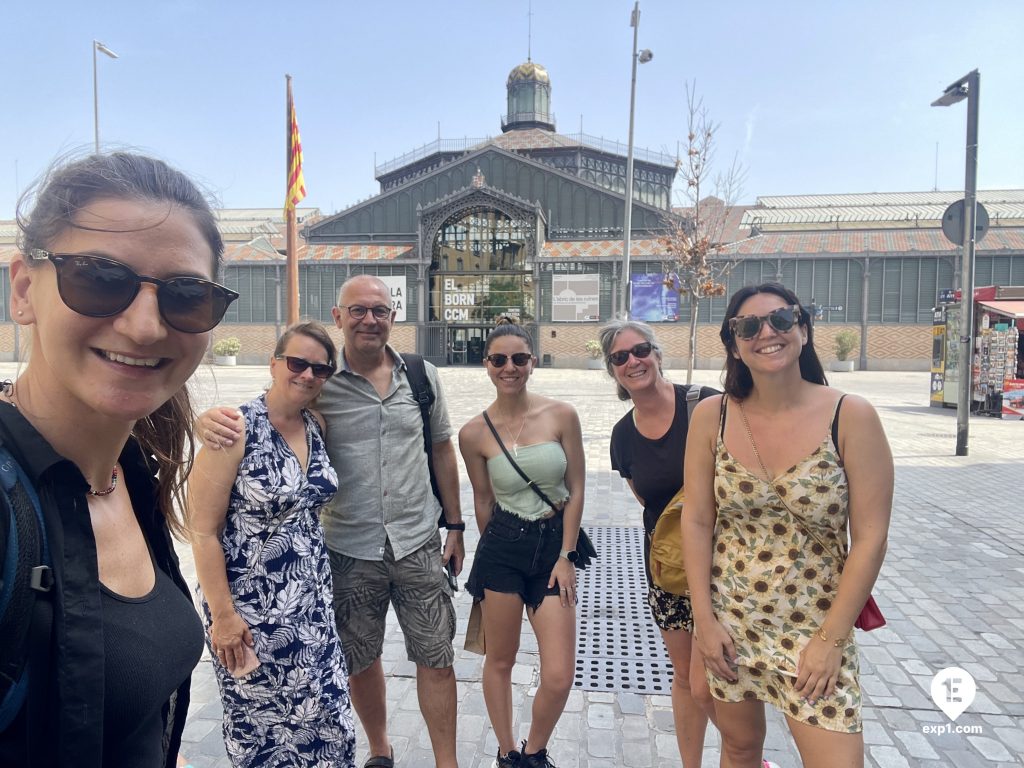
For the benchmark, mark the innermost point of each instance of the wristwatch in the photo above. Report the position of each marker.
(570, 554)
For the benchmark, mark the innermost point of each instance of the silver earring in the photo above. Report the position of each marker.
(21, 312)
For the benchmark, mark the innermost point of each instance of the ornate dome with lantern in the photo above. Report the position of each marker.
(529, 98)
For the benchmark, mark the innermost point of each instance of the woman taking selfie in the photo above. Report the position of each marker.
(779, 471)
(114, 280)
(528, 539)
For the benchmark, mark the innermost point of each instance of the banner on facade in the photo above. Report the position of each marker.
(654, 298)
(575, 298)
(396, 284)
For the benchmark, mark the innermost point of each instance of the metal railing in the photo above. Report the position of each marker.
(548, 118)
(432, 148)
(618, 148)
(464, 145)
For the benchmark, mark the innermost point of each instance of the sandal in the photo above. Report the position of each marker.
(381, 761)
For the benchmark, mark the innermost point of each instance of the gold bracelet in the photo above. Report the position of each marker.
(822, 635)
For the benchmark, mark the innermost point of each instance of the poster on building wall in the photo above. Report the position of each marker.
(653, 297)
(575, 298)
(396, 284)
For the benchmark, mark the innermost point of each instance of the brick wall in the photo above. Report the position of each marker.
(890, 347)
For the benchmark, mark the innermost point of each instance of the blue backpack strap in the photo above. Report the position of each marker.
(26, 613)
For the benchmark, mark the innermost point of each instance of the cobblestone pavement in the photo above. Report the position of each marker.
(952, 589)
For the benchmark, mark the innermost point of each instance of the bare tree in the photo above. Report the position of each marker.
(693, 242)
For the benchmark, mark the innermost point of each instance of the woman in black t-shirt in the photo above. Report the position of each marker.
(113, 280)
(647, 449)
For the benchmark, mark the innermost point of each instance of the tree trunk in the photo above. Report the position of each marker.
(693, 339)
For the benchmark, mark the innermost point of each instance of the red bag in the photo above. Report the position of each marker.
(870, 616)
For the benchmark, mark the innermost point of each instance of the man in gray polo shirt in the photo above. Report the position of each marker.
(381, 527)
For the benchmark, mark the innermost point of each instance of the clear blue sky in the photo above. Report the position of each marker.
(823, 97)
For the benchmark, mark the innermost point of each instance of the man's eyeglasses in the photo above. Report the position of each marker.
(380, 312)
(748, 326)
(639, 351)
(519, 359)
(300, 364)
(95, 286)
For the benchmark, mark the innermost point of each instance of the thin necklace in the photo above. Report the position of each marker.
(7, 389)
(515, 440)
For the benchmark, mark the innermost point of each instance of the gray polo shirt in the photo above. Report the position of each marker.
(376, 447)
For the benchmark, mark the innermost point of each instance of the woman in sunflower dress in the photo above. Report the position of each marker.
(778, 470)
(264, 574)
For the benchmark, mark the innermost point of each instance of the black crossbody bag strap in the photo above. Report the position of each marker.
(533, 486)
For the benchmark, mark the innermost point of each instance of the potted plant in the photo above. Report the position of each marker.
(225, 350)
(845, 342)
(594, 355)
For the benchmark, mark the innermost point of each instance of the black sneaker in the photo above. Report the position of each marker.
(512, 760)
(537, 759)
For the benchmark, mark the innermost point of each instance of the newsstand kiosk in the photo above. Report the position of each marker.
(997, 366)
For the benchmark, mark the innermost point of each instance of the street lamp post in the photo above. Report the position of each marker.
(97, 46)
(643, 57)
(967, 87)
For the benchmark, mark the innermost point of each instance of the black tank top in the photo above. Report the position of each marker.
(151, 644)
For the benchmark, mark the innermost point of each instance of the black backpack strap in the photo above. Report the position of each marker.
(416, 373)
(423, 394)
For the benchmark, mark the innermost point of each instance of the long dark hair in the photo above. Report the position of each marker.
(55, 200)
(738, 381)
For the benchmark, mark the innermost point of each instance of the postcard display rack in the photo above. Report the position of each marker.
(995, 366)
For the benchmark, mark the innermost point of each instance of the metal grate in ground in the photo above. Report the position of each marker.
(618, 646)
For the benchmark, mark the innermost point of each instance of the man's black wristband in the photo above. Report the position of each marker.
(455, 526)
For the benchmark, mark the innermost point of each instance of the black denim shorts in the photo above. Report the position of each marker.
(516, 556)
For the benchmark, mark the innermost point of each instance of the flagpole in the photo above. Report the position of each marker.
(291, 239)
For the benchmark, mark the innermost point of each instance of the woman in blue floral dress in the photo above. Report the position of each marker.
(264, 576)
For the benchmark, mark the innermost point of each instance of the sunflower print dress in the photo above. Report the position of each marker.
(772, 584)
(294, 710)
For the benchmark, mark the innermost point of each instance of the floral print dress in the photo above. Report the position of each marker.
(772, 584)
(294, 709)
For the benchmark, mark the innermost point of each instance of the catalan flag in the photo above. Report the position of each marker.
(296, 183)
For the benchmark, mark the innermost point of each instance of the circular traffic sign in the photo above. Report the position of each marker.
(953, 223)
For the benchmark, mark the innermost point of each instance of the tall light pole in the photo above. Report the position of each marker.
(97, 46)
(967, 87)
(643, 57)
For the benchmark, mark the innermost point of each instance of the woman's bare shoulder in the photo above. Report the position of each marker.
(472, 429)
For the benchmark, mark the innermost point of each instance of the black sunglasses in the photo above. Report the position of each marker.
(380, 312)
(519, 359)
(300, 364)
(639, 351)
(748, 326)
(95, 286)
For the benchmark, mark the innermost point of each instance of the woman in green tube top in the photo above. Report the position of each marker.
(527, 547)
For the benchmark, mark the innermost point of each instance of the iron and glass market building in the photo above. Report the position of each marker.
(528, 224)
